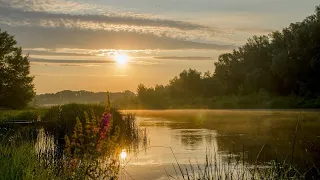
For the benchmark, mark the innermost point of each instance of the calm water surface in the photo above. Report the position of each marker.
(187, 136)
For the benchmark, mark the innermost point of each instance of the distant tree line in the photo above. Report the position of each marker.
(283, 64)
(84, 97)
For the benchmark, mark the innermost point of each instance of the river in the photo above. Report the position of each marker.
(186, 137)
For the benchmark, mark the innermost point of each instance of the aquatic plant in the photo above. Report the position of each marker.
(92, 151)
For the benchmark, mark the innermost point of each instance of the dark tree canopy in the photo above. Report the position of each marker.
(283, 64)
(16, 87)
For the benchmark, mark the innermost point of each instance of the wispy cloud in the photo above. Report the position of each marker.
(83, 62)
(184, 58)
(59, 61)
(115, 19)
(33, 37)
(40, 15)
(157, 27)
(59, 6)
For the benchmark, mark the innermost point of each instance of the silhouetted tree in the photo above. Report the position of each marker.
(16, 87)
(282, 63)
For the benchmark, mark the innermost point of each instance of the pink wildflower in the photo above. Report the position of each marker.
(105, 120)
(103, 135)
(99, 147)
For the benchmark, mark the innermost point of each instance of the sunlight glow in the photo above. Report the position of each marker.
(121, 59)
(123, 154)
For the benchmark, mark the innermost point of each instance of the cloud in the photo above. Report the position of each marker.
(37, 16)
(53, 53)
(70, 53)
(59, 61)
(34, 37)
(184, 58)
(51, 6)
(21, 15)
(82, 62)
(255, 30)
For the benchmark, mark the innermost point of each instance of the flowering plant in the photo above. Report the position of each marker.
(92, 149)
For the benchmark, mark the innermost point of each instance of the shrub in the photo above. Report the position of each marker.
(92, 149)
(63, 118)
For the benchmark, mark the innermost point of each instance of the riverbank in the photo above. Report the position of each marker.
(254, 101)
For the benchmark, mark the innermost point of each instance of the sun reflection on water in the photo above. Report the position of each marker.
(123, 154)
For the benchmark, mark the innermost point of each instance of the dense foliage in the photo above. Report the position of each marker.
(283, 64)
(16, 88)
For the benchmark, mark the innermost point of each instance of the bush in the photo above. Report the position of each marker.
(63, 120)
(64, 117)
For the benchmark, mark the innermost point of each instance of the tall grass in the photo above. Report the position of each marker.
(63, 120)
(20, 161)
(234, 167)
(22, 115)
(64, 117)
(28, 159)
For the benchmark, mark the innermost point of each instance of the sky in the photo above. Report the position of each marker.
(76, 44)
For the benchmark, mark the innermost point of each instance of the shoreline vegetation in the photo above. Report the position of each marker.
(28, 164)
(81, 141)
(130, 101)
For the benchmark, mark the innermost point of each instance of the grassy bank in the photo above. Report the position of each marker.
(20, 161)
(252, 101)
(25, 114)
(84, 144)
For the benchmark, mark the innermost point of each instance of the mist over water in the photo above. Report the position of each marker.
(193, 134)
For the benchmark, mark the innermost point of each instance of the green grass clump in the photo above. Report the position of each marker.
(22, 115)
(64, 117)
(21, 162)
(62, 120)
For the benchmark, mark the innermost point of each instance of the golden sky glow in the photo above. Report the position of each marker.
(121, 59)
(115, 45)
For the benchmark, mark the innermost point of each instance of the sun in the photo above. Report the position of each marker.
(123, 154)
(121, 59)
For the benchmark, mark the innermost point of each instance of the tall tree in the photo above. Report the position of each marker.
(16, 84)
